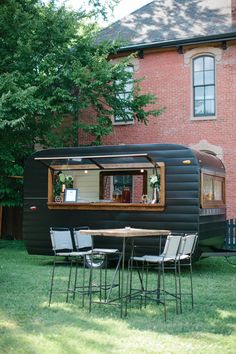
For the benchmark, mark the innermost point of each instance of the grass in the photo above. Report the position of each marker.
(28, 325)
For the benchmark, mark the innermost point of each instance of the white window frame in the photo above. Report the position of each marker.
(204, 86)
(128, 89)
(188, 56)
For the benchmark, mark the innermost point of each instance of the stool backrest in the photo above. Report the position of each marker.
(61, 239)
(171, 246)
(82, 241)
(188, 244)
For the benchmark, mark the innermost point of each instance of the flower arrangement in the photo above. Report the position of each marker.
(62, 179)
(154, 181)
(69, 181)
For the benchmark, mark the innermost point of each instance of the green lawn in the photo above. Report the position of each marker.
(28, 325)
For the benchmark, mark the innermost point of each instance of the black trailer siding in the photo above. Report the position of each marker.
(182, 211)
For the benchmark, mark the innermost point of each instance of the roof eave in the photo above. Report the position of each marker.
(179, 42)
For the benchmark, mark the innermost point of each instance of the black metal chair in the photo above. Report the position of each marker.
(184, 258)
(85, 242)
(63, 254)
(166, 260)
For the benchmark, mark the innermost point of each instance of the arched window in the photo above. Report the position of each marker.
(204, 86)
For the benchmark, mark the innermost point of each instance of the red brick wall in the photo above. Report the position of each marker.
(170, 79)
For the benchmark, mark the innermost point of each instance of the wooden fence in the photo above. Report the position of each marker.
(230, 239)
(11, 223)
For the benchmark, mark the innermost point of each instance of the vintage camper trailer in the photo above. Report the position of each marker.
(155, 186)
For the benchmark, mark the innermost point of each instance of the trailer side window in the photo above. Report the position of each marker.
(112, 188)
(213, 191)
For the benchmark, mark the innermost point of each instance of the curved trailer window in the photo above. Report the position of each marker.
(213, 191)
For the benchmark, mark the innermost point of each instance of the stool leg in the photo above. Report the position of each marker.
(100, 285)
(164, 293)
(176, 288)
(146, 284)
(128, 289)
(191, 281)
(83, 284)
(90, 285)
(69, 280)
(52, 281)
(180, 287)
(75, 281)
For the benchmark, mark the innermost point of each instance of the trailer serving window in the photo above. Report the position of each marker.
(213, 191)
(105, 182)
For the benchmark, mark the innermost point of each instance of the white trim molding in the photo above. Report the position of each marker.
(204, 145)
(190, 54)
(133, 62)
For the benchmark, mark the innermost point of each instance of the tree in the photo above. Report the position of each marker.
(51, 67)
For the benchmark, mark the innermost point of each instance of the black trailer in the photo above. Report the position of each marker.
(112, 187)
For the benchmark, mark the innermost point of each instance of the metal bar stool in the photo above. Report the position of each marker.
(162, 262)
(63, 254)
(85, 242)
(187, 247)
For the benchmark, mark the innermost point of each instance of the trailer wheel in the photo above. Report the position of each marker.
(98, 261)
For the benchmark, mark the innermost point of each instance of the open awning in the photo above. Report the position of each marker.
(99, 162)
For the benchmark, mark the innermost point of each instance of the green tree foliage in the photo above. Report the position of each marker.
(50, 67)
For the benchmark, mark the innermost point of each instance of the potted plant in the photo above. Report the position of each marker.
(61, 182)
(154, 181)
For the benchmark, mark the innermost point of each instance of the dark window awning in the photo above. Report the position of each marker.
(99, 162)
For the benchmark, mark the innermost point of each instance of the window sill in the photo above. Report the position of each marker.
(203, 118)
(123, 123)
(106, 206)
(213, 204)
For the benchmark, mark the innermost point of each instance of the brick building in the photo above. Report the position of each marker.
(186, 50)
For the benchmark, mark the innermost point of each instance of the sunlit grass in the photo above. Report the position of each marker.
(28, 325)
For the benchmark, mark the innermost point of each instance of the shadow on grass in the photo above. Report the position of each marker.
(28, 325)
